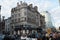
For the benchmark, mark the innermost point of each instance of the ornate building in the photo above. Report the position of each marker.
(25, 19)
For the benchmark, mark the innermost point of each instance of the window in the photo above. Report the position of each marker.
(18, 19)
(12, 15)
(8, 29)
(23, 19)
(25, 13)
(12, 21)
(19, 14)
(15, 15)
(15, 20)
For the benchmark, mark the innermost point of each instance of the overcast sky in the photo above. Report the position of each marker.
(51, 5)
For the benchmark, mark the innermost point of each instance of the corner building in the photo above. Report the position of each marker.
(25, 18)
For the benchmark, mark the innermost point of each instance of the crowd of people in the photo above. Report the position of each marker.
(51, 36)
(42, 36)
(46, 35)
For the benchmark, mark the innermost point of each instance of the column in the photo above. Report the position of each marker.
(14, 32)
(18, 32)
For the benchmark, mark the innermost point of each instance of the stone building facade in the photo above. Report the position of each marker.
(2, 23)
(24, 18)
(2, 26)
(42, 21)
(8, 25)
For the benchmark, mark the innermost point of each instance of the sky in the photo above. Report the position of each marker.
(43, 5)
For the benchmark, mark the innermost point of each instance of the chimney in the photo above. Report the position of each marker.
(17, 3)
(20, 2)
(30, 5)
(36, 8)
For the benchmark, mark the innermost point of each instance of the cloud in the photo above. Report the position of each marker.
(56, 15)
(45, 5)
(57, 25)
(6, 7)
(8, 4)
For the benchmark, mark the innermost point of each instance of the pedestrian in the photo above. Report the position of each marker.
(44, 37)
(47, 36)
